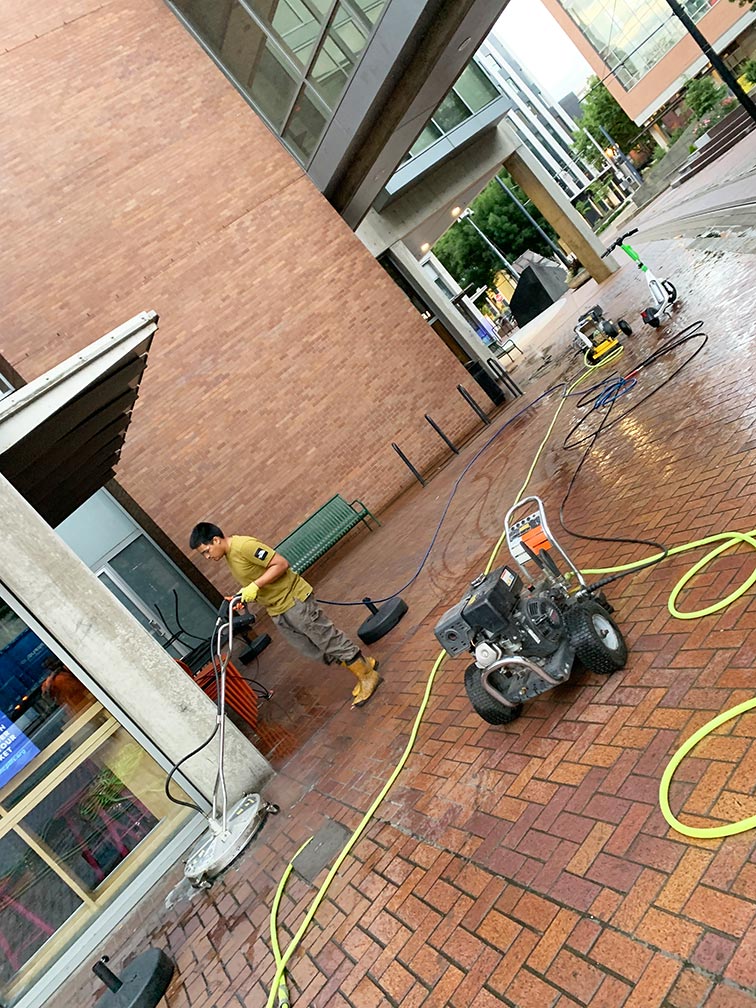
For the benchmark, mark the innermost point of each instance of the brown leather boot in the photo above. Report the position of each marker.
(368, 680)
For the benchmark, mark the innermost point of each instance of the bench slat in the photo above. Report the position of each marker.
(322, 530)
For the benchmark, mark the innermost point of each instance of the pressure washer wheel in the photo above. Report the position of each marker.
(382, 620)
(608, 328)
(596, 638)
(624, 327)
(484, 704)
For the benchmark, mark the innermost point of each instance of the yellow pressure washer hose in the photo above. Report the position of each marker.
(727, 540)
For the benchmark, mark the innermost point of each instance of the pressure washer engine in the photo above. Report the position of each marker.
(527, 640)
(598, 335)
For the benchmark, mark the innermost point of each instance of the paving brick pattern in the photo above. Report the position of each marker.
(529, 864)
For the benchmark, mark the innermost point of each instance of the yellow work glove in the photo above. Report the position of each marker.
(249, 594)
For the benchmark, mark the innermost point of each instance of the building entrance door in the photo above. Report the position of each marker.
(141, 576)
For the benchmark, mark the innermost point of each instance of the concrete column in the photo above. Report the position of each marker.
(533, 179)
(454, 321)
(660, 136)
(96, 635)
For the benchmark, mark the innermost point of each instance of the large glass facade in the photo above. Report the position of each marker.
(82, 806)
(290, 58)
(632, 36)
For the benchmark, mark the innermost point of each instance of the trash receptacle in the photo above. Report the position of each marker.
(486, 382)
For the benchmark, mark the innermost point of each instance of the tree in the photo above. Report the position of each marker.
(464, 253)
(702, 94)
(601, 109)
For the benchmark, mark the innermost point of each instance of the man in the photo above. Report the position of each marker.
(266, 577)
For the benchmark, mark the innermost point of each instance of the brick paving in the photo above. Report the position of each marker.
(529, 864)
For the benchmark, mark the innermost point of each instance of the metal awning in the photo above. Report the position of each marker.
(61, 435)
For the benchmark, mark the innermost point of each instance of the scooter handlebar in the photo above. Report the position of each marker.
(619, 241)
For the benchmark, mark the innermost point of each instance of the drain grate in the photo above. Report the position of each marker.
(321, 851)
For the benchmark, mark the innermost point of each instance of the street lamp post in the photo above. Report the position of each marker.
(557, 251)
(714, 58)
(467, 215)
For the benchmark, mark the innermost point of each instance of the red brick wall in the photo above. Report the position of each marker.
(135, 177)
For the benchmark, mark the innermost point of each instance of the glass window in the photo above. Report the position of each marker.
(346, 31)
(330, 72)
(632, 36)
(450, 113)
(272, 87)
(306, 124)
(370, 8)
(475, 88)
(430, 134)
(268, 46)
(298, 26)
(155, 581)
(78, 795)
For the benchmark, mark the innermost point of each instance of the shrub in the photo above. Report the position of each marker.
(702, 94)
(749, 71)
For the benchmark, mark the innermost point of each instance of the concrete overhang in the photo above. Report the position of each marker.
(422, 213)
(446, 147)
(416, 54)
(61, 435)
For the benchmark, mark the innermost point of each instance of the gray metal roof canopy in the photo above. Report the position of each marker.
(61, 435)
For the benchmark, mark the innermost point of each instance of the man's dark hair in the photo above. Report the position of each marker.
(203, 534)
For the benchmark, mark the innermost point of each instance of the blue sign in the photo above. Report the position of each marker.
(16, 749)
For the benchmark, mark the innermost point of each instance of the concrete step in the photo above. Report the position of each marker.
(714, 149)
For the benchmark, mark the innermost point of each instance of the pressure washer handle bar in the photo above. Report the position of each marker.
(619, 241)
(513, 540)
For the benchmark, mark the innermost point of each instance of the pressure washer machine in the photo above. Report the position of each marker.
(527, 629)
(598, 335)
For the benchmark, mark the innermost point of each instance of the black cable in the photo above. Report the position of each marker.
(206, 743)
(445, 510)
(690, 332)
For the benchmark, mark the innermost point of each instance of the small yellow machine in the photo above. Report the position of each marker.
(598, 335)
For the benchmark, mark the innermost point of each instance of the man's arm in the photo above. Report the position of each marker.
(276, 568)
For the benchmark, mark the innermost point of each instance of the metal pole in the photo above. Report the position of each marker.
(532, 220)
(441, 434)
(409, 465)
(510, 268)
(471, 402)
(714, 58)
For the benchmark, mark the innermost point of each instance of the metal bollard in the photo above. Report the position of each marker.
(441, 434)
(471, 402)
(409, 465)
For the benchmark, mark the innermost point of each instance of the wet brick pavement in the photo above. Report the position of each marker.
(525, 865)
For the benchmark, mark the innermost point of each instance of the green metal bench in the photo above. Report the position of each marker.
(322, 530)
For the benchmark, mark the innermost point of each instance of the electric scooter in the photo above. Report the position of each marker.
(229, 831)
(663, 292)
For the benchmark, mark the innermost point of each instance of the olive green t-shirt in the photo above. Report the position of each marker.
(247, 558)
